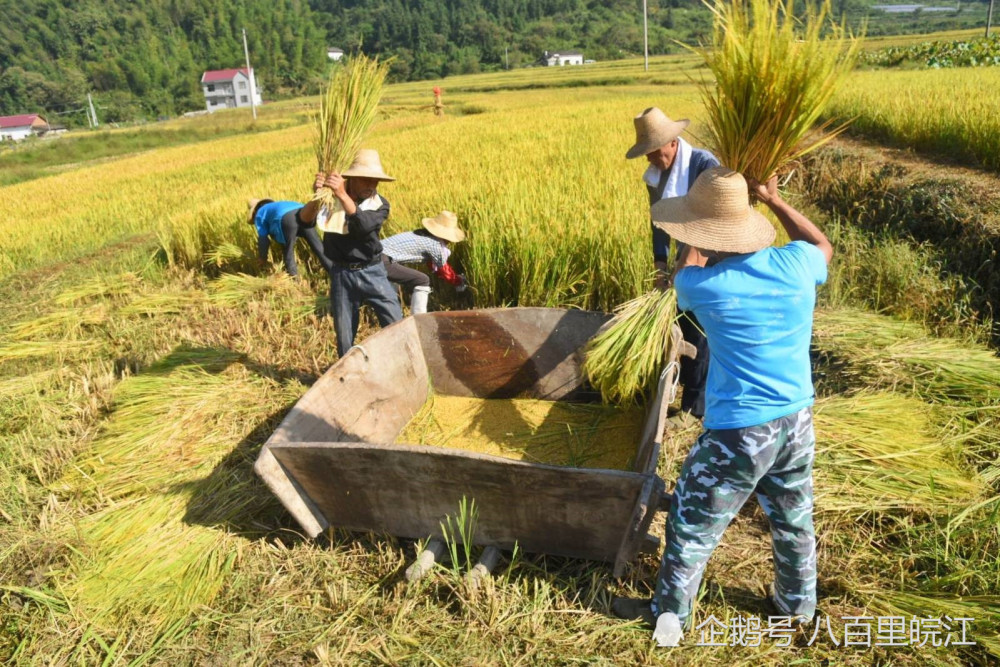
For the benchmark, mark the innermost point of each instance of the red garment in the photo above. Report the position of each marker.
(447, 274)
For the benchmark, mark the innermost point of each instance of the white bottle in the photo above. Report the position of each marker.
(668, 630)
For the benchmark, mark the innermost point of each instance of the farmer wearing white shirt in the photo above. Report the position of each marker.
(674, 165)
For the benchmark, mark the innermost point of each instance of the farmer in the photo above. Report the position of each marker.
(430, 246)
(282, 221)
(756, 304)
(357, 274)
(673, 167)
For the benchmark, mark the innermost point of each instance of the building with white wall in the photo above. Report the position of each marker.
(229, 88)
(16, 128)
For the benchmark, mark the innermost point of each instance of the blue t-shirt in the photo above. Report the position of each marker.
(268, 219)
(757, 313)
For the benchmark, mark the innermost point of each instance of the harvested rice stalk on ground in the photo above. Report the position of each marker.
(883, 352)
(347, 109)
(626, 358)
(983, 610)
(882, 452)
(581, 435)
(773, 78)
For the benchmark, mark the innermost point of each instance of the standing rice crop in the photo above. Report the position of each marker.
(774, 76)
(347, 109)
(626, 358)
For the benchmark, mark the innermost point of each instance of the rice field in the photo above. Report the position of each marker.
(143, 362)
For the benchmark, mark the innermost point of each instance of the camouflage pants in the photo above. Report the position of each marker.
(721, 471)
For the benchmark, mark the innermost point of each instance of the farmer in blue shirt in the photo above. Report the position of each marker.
(756, 304)
(283, 222)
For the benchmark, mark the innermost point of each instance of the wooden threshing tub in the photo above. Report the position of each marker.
(331, 462)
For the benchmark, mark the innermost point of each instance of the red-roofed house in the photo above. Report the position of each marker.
(228, 88)
(21, 127)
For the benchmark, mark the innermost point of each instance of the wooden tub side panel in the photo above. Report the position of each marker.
(368, 395)
(408, 491)
(508, 352)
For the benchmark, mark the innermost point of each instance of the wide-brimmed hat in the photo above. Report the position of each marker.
(715, 214)
(444, 225)
(367, 165)
(252, 205)
(653, 129)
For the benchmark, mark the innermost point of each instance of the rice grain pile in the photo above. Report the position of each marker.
(580, 435)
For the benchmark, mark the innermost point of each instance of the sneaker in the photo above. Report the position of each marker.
(798, 620)
(634, 609)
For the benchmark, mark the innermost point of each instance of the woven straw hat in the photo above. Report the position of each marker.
(715, 214)
(252, 206)
(653, 129)
(444, 225)
(367, 165)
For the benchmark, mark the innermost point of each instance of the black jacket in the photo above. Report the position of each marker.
(361, 242)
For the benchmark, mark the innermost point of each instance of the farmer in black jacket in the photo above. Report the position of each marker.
(357, 274)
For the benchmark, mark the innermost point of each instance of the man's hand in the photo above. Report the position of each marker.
(320, 180)
(664, 279)
(765, 192)
(336, 182)
(462, 286)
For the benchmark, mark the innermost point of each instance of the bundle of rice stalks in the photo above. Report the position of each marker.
(983, 610)
(882, 352)
(168, 478)
(882, 451)
(347, 110)
(774, 76)
(626, 358)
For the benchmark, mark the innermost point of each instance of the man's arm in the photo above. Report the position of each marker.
(311, 210)
(263, 245)
(798, 226)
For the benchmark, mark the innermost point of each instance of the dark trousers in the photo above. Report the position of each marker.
(292, 229)
(694, 372)
(405, 276)
(351, 288)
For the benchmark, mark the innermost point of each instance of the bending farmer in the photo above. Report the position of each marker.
(429, 246)
(756, 303)
(357, 274)
(283, 222)
(674, 165)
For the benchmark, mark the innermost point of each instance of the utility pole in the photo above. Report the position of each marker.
(645, 36)
(253, 81)
(989, 19)
(93, 113)
(506, 61)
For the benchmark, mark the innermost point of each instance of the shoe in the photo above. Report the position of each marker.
(634, 609)
(798, 620)
(668, 630)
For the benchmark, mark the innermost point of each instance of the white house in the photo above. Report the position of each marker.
(553, 58)
(20, 127)
(229, 88)
(333, 53)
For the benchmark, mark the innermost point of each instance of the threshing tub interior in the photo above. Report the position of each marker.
(332, 461)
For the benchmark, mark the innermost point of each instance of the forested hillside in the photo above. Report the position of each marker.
(144, 59)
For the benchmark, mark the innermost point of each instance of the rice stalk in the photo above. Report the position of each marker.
(984, 610)
(878, 451)
(59, 349)
(883, 352)
(347, 110)
(625, 359)
(774, 77)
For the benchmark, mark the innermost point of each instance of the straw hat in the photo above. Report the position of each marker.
(653, 129)
(444, 225)
(715, 214)
(367, 165)
(252, 205)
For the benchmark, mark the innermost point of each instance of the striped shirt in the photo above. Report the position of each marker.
(413, 248)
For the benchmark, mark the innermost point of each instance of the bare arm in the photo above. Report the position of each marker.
(311, 210)
(798, 226)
